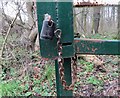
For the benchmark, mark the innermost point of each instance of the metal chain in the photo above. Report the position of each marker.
(61, 61)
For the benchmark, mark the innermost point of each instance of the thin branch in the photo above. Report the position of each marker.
(8, 32)
(19, 8)
(77, 14)
(80, 24)
(23, 26)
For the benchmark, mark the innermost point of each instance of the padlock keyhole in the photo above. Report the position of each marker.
(50, 23)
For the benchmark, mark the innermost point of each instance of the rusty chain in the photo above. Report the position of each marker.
(61, 62)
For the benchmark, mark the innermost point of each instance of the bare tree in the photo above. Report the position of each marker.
(30, 35)
(119, 20)
(96, 19)
(113, 13)
(102, 20)
(8, 32)
(28, 26)
(1, 23)
(85, 13)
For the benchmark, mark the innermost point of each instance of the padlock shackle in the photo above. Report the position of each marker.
(47, 17)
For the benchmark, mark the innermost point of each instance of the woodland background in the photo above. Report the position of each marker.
(24, 72)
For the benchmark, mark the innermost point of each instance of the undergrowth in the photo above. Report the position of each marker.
(24, 74)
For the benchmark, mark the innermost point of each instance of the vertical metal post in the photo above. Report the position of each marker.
(48, 48)
(65, 23)
(67, 70)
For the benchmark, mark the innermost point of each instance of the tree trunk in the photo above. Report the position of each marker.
(96, 19)
(102, 21)
(108, 12)
(84, 15)
(29, 36)
(1, 20)
(29, 6)
(33, 38)
(30, 22)
(113, 14)
(119, 21)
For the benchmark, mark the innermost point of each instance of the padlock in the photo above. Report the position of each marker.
(48, 28)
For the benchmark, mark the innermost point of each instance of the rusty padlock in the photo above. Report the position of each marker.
(48, 28)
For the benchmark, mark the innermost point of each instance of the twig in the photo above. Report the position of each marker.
(8, 32)
(112, 88)
(34, 63)
(80, 24)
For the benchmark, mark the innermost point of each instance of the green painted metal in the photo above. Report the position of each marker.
(67, 66)
(48, 48)
(50, 52)
(65, 23)
(97, 47)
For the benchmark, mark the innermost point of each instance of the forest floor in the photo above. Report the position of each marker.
(25, 73)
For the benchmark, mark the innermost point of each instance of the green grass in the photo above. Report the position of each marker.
(88, 66)
(107, 36)
(15, 87)
(93, 80)
(45, 85)
(11, 88)
(49, 72)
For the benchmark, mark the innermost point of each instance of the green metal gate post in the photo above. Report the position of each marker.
(67, 66)
(65, 23)
(48, 48)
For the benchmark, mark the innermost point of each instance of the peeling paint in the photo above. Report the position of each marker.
(90, 40)
(98, 47)
(88, 48)
(78, 49)
(94, 49)
(83, 45)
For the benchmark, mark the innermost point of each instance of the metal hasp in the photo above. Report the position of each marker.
(64, 10)
(62, 14)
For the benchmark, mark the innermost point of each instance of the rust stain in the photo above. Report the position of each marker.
(83, 45)
(91, 40)
(78, 49)
(87, 3)
(45, 59)
(88, 48)
(76, 41)
(100, 41)
(94, 49)
(94, 40)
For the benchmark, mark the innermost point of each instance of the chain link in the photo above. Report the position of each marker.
(61, 62)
